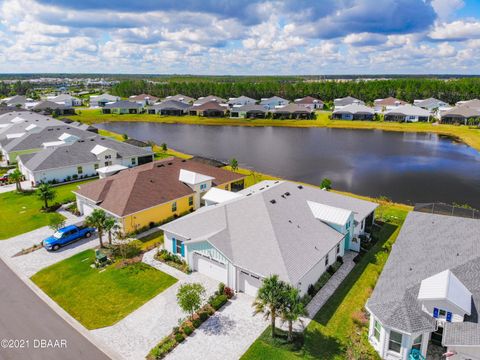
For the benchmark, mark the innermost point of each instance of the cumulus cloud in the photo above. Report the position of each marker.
(446, 8)
(457, 30)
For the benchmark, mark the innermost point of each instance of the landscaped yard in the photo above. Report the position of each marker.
(338, 330)
(20, 212)
(152, 240)
(99, 298)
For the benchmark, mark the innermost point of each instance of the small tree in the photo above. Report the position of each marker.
(270, 298)
(326, 184)
(164, 147)
(17, 177)
(234, 164)
(109, 225)
(97, 220)
(56, 222)
(190, 297)
(125, 137)
(46, 193)
(292, 308)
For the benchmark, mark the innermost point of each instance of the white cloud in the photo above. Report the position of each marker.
(446, 8)
(456, 30)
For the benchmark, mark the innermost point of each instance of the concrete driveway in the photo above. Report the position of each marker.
(26, 185)
(224, 336)
(136, 334)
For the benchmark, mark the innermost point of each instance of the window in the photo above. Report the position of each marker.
(108, 163)
(348, 225)
(417, 343)
(108, 157)
(79, 170)
(174, 206)
(395, 342)
(377, 329)
(338, 249)
(95, 166)
(134, 161)
(203, 186)
(190, 201)
(326, 261)
(178, 247)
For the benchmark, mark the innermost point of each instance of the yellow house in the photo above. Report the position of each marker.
(154, 193)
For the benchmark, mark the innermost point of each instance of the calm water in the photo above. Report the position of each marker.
(406, 167)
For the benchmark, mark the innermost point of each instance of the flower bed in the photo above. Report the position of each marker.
(315, 288)
(172, 260)
(187, 327)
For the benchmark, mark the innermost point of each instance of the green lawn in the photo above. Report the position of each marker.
(100, 298)
(333, 334)
(152, 240)
(20, 212)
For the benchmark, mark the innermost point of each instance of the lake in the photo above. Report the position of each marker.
(405, 167)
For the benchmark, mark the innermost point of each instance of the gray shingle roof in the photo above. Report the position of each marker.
(248, 108)
(170, 105)
(347, 101)
(78, 153)
(427, 244)
(429, 103)
(240, 100)
(123, 104)
(266, 238)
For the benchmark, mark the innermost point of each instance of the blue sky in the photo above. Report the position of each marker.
(241, 37)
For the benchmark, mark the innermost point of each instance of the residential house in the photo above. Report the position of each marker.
(433, 105)
(207, 99)
(122, 107)
(102, 100)
(273, 102)
(15, 101)
(310, 102)
(169, 107)
(37, 139)
(249, 112)
(209, 109)
(407, 113)
(155, 192)
(346, 101)
(241, 101)
(465, 112)
(50, 107)
(138, 143)
(292, 111)
(182, 98)
(387, 104)
(65, 99)
(353, 112)
(427, 297)
(82, 158)
(274, 227)
(144, 99)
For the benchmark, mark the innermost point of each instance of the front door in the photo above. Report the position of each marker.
(437, 336)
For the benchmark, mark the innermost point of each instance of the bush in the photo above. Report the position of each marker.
(203, 315)
(187, 330)
(163, 348)
(340, 259)
(221, 288)
(228, 291)
(311, 290)
(218, 301)
(330, 270)
(196, 323)
(179, 337)
(175, 330)
(74, 176)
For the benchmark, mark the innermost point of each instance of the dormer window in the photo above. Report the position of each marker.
(203, 186)
(107, 157)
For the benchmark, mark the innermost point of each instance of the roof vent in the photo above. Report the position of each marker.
(290, 221)
(273, 201)
(283, 196)
(160, 165)
(170, 163)
(261, 188)
(184, 160)
(300, 187)
(287, 193)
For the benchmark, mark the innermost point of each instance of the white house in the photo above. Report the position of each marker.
(241, 101)
(433, 105)
(310, 102)
(407, 113)
(274, 227)
(273, 102)
(427, 296)
(65, 99)
(101, 100)
(346, 101)
(387, 104)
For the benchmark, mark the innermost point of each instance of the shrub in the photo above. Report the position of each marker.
(187, 330)
(196, 323)
(175, 330)
(340, 259)
(218, 301)
(203, 315)
(74, 176)
(229, 292)
(221, 288)
(330, 270)
(311, 290)
(163, 348)
(179, 337)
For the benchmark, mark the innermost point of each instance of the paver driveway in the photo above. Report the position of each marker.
(224, 336)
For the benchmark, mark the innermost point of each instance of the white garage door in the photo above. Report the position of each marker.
(209, 267)
(87, 209)
(249, 283)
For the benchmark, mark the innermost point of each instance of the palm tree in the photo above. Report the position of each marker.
(234, 164)
(269, 300)
(109, 225)
(17, 177)
(292, 308)
(46, 193)
(97, 220)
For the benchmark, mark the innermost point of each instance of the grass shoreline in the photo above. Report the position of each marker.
(465, 134)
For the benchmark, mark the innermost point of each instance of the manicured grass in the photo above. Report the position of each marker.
(253, 177)
(152, 240)
(332, 332)
(20, 212)
(469, 135)
(99, 298)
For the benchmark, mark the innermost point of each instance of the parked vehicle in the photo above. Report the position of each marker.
(4, 179)
(67, 235)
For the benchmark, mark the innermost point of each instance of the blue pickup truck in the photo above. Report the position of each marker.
(67, 235)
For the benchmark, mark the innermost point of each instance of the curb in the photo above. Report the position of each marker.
(63, 314)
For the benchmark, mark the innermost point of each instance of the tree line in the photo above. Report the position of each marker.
(408, 89)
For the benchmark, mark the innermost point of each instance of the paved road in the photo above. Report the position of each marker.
(23, 315)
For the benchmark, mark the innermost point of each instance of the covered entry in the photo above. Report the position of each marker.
(209, 267)
(248, 283)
